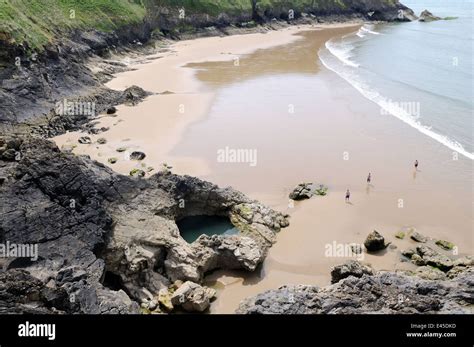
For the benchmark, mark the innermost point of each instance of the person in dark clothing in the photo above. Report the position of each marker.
(369, 178)
(416, 164)
(348, 195)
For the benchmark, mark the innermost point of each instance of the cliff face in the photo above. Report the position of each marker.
(178, 15)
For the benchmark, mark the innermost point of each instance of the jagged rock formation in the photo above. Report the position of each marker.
(111, 241)
(384, 293)
(192, 297)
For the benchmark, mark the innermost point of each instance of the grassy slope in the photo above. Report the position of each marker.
(211, 7)
(38, 21)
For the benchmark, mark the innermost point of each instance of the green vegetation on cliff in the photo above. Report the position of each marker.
(37, 22)
(211, 7)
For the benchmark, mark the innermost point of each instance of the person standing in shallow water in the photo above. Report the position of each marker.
(369, 178)
(348, 195)
(416, 164)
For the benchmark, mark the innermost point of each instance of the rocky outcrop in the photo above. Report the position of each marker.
(383, 293)
(368, 10)
(137, 155)
(307, 190)
(22, 293)
(302, 191)
(425, 255)
(67, 114)
(427, 16)
(110, 242)
(442, 283)
(192, 297)
(350, 268)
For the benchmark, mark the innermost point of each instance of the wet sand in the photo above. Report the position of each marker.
(156, 125)
(306, 124)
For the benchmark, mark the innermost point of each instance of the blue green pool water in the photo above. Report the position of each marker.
(191, 228)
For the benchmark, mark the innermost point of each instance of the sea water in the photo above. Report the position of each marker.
(419, 72)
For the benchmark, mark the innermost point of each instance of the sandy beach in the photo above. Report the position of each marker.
(270, 93)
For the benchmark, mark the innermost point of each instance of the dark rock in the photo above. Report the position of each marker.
(9, 155)
(14, 143)
(375, 242)
(70, 274)
(417, 260)
(431, 257)
(427, 16)
(137, 155)
(457, 270)
(302, 191)
(408, 253)
(85, 140)
(111, 110)
(350, 268)
(22, 293)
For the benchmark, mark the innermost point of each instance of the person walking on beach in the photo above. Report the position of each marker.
(416, 164)
(348, 195)
(369, 178)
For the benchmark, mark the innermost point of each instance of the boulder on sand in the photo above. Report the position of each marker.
(137, 155)
(375, 242)
(301, 192)
(111, 110)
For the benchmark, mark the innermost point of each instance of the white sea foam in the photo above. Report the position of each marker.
(332, 61)
(367, 29)
(341, 52)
